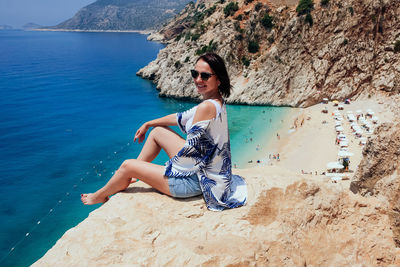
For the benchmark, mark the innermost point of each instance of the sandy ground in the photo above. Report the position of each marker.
(306, 141)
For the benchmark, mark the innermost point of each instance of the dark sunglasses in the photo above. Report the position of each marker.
(204, 75)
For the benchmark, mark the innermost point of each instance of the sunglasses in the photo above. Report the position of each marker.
(204, 75)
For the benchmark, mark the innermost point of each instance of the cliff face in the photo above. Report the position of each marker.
(379, 172)
(346, 49)
(288, 221)
(123, 15)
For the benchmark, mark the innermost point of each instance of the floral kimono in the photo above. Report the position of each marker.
(207, 154)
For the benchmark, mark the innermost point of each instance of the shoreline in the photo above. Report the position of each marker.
(268, 143)
(145, 32)
(308, 142)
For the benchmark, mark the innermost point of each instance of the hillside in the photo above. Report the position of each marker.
(123, 15)
(338, 49)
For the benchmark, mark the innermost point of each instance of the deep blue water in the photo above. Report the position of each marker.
(70, 104)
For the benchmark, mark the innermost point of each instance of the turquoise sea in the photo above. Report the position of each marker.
(70, 104)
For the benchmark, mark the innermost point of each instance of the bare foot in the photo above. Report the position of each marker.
(91, 199)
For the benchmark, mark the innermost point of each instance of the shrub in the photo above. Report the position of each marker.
(211, 47)
(237, 26)
(231, 8)
(187, 59)
(309, 19)
(178, 64)
(258, 6)
(248, 1)
(324, 2)
(188, 36)
(198, 16)
(222, 1)
(178, 37)
(345, 42)
(351, 10)
(397, 46)
(277, 58)
(304, 7)
(210, 11)
(195, 36)
(245, 61)
(253, 46)
(267, 22)
(271, 39)
(239, 37)
(239, 17)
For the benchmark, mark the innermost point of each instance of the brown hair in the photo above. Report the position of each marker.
(217, 64)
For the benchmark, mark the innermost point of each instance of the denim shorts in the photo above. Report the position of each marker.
(184, 187)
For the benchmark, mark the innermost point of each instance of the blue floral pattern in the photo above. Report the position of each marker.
(207, 154)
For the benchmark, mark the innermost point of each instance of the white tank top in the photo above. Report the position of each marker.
(190, 121)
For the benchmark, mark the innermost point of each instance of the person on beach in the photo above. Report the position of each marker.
(199, 165)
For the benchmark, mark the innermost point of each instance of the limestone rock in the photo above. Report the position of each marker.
(346, 52)
(288, 221)
(379, 172)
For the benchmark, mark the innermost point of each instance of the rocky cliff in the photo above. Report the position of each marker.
(289, 221)
(123, 15)
(337, 49)
(379, 172)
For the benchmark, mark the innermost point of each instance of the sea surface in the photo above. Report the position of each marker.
(70, 104)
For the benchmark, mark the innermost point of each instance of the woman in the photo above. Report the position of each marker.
(201, 164)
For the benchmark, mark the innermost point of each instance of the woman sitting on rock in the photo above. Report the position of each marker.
(201, 164)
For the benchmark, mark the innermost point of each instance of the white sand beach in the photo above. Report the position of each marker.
(307, 138)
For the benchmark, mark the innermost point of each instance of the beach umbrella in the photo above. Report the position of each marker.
(370, 112)
(344, 154)
(351, 117)
(344, 143)
(341, 135)
(339, 129)
(334, 165)
(375, 119)
(325, 99)
(338, 123)
(336, 178)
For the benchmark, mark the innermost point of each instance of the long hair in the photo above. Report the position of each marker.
(217, 64)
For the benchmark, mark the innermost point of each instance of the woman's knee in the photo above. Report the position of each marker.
(157, 131)
(128, 165)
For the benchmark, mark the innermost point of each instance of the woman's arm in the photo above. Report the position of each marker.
(169, 120)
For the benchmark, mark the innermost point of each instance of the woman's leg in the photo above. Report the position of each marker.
(161, 138)
(152, 174)
(149, 173)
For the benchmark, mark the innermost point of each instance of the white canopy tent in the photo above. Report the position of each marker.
(344, 154)
(339, 129)
(334, 165)
(344, 144)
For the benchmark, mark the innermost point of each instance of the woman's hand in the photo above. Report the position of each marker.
(141, 133)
